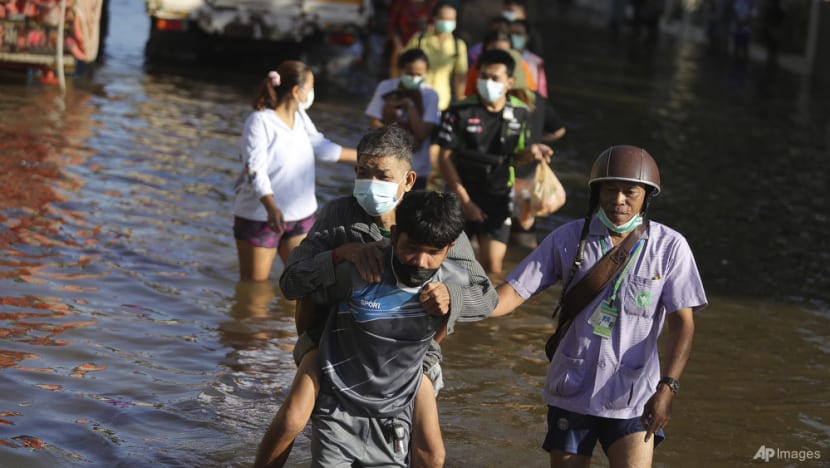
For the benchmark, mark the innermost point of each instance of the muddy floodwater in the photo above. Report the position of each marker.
(126, 339)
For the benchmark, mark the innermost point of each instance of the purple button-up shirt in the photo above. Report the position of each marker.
(612, 377)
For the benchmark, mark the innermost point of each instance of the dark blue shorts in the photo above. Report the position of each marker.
(578, 433)
(260, 234)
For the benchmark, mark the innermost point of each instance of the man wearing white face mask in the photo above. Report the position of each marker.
(409, 103)
(482, 138)
(356, 229)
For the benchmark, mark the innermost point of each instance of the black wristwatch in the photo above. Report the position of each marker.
(673, 384)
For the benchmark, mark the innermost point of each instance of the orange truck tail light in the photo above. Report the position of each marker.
(169, 25)
(342, 39)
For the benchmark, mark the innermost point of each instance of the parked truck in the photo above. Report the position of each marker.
(199, 26)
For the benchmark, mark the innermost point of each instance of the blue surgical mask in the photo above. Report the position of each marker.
(517, 41)
(376, 197)
(509, 15)
(411, 81)
(623, 228)
(444, 26)
(489, 90)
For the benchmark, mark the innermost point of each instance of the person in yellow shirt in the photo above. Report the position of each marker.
(447, 55)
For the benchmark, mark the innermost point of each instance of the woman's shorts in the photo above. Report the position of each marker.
(260, 234)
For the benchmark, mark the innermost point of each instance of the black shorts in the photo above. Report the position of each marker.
(499, 209)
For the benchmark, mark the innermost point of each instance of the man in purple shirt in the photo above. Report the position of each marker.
(605, 381)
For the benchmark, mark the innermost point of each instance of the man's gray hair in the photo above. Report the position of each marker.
(386, 141)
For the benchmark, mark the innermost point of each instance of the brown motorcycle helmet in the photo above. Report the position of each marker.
(626, 163)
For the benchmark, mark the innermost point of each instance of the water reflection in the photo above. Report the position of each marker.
(42, 244)
(251, 316)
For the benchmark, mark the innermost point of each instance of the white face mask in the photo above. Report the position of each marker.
(489, 90)
(309, 100)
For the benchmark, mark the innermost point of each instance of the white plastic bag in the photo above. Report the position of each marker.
(547, 195)
(540, 195)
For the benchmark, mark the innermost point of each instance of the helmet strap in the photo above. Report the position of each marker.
(647, 201)
(593, 202)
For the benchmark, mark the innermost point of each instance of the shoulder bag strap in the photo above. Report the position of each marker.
(578, 297)
(574, 300)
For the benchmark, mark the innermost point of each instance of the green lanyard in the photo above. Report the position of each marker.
(634, 252)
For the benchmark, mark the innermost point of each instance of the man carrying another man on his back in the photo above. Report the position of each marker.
(356, 230)
(374, 343)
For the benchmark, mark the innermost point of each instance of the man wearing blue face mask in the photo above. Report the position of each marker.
(519, 40)
(516, 10)
(447, 54)
(482, 138)
(356, 229)
(410, 103)
(606, 381)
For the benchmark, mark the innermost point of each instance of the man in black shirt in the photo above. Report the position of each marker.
(482, 138)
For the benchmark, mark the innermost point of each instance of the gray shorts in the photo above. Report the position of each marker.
(341, 438)
(432, 368)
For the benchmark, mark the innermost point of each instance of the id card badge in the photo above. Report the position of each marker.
(603, 319)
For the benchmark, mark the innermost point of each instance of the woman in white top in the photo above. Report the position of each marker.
(275, 200)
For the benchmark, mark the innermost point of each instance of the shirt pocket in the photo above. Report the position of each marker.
(569, 375)
(642, 295)
(626, 387)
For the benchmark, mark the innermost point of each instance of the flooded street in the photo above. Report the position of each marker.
(126, 339)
